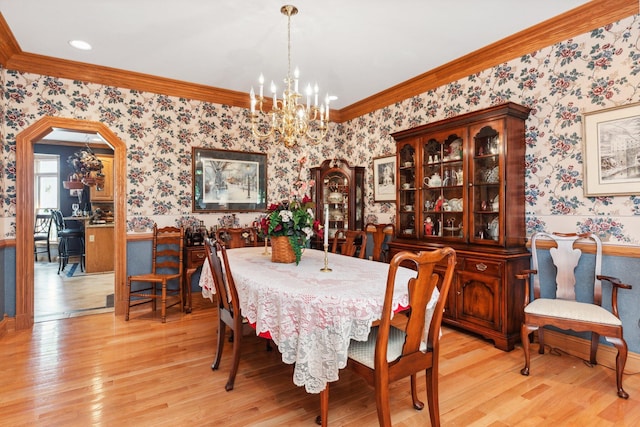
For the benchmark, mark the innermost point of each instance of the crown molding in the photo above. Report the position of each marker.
(582, 19)
(594, 14)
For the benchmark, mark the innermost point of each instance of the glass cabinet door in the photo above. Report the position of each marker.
(443, 190)
(486, 175)
(335, 195)
(407, 190)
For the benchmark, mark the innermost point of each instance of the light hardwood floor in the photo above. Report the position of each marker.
(100, 370)
(58, 296)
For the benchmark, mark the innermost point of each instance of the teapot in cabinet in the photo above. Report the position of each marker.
(434, 181)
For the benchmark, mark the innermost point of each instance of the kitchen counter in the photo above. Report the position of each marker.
(99, 247)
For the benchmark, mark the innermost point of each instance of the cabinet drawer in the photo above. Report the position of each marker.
(196, 257)
(481, 266)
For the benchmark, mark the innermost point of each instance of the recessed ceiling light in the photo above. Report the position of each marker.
(79, 44)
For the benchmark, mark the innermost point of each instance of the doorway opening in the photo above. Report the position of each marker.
(69, 287)
(25, 216)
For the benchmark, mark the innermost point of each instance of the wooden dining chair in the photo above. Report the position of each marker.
(354, 244)
(228, 308)
(164, 282)
(391, 353)
(554, 302)
(237, 237)
(378, 244)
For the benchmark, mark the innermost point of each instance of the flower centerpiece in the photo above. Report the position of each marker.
(293, 218)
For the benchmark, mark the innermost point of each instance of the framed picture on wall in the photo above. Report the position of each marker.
(225, 180)
(612, 151)
(384, 179)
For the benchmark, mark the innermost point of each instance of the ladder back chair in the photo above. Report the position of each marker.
(164, 282)
(354, 244)
(391, 353)
(556, 305)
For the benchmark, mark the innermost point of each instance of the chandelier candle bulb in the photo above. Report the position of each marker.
(296, 75)
(316, 89)
(261, 81)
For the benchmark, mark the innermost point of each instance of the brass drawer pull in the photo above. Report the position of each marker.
(481, 267)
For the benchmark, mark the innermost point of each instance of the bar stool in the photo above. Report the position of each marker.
(65, 236)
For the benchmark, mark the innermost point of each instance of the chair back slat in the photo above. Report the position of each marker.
(219, 282)
(566, 258)
(167, 251)
(355, 243)
(378, 243)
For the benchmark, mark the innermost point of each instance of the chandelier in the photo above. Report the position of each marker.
(290, 119)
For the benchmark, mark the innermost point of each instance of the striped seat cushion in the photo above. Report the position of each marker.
(364, 351)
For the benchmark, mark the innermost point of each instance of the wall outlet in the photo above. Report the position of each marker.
(92, 237)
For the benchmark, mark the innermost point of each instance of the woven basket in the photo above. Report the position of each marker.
(281, 250)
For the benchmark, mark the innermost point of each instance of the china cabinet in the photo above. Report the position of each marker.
(338, 194)
(461, 184)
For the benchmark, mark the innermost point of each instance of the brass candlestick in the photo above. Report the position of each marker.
(326, 268)
(266, 251)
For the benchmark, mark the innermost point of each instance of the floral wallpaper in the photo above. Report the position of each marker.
(591, 72)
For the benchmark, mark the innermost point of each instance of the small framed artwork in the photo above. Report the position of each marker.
(224, 180)
(384, 179)
(611, 151)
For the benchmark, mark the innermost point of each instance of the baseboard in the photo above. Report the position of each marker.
(7, 324)
(579, 347)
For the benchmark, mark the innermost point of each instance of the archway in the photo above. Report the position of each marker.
(25, 141)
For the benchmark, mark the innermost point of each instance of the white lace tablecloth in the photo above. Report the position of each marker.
(311, 315)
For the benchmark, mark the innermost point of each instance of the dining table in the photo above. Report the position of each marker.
(312, 315)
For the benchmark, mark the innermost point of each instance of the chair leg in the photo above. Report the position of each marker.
(432, 395)
(417, 404)
(237, 326)
(163, 302)
(595, 340)
(61, 254)
(621, 361)
(525, 331)
(222, 329)
(126, 314)
(541, 340)
(382, 403)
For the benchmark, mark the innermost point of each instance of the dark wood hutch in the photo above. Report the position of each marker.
(460, 183)
(338, 191)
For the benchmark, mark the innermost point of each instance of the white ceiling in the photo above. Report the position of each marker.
(352, 48)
